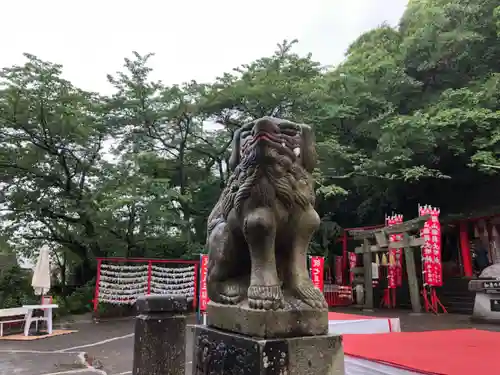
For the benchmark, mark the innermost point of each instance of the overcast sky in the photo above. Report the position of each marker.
(192, 39)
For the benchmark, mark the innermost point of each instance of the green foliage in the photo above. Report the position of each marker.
(15, 288)
(496, 15)
(80, 300)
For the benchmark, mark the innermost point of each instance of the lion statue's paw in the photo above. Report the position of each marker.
(232, 292)
(262, 297)
(311, 295)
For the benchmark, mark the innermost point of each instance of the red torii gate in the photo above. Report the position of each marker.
(464, 241)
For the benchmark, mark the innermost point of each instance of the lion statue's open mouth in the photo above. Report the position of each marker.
(269, 138)
(260, 229)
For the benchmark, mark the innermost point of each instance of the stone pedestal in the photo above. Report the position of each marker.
(295, 319)
(487, 300)
(223, 353)
(487, 307)
(160, 335)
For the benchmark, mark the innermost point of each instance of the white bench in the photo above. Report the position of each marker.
(12, 315)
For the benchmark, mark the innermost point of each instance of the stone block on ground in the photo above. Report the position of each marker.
(216, 352)
(487, 299)
(486, 307)
(160, 335)
(295, 319)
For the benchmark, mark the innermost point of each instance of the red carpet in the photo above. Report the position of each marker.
(457, 352)
(340, 316)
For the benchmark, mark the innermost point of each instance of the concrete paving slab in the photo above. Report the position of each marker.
(60, 354)
(37, 364)
(88, 333)
(116, 357)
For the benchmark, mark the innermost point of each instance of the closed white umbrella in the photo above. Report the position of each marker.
(41, 274)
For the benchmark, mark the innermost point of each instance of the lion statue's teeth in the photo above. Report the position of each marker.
(296, 151)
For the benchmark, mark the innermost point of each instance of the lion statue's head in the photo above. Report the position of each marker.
(271, 161)
(270, 140)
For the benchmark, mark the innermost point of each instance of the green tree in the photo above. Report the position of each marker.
(162, 127)
(51, 140)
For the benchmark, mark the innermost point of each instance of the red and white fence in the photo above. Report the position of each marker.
(338, 295)
(121, 281)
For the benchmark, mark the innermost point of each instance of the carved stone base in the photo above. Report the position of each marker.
(223, 353)
(487, 307)
(295, 319)
(487, 299)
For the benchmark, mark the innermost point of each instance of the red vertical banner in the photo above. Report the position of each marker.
(431, 250)
(317, 271)
(352, 265)
(398, 254)
(395, 268)
(339, 263)
(203, 282)
(436, 247)
(391, 269)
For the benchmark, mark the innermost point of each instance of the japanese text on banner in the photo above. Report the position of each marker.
(391, 272)
(203, 282)
(398, 253)
(395, 269)
(317, 270)
(431, 250)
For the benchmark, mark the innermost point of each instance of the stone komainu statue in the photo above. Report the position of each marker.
(259, 230)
